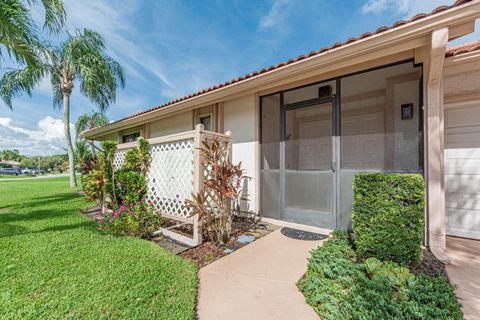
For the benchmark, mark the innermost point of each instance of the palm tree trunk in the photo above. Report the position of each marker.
(66, 127)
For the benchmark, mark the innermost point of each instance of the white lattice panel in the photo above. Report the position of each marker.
(119, 159)
(170, 178)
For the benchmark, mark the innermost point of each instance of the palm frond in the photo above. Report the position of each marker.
(56, 89)
(18, 32)
(54, 15)
(16, 82)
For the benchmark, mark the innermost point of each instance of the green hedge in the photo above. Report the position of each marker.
(388, 216)
(338, 287)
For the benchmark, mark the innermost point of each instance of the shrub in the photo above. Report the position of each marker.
(339, 287)
(133, 218)
(138, 159)
(130, 185)
(388, 216)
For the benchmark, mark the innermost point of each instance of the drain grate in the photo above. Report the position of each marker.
(302, 235)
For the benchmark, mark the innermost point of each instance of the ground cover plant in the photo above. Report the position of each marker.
(339, 286)
(54, 265)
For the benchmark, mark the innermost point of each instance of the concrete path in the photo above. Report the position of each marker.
(55, 175)
(464, 271)
(257, 282)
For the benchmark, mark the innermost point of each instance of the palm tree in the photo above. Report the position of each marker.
(81, 59)
(18, 31)
(89, 121)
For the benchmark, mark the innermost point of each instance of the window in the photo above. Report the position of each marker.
(130, 137)
(206, 120)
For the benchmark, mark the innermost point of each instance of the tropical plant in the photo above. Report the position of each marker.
(80, 58)
(222, 190)
(89, 121)
(18, 32)
(390, 272)
(94, 182)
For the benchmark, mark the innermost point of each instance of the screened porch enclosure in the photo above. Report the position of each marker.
(316, 137)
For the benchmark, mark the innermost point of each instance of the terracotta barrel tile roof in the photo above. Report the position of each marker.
(293, 60)
(464, 48)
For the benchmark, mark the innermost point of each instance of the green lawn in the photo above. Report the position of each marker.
(54, 265)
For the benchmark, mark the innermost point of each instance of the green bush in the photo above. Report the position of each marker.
(130, 185)
(339, 287)
(388, 216)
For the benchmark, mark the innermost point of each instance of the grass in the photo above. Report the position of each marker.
(54, 265)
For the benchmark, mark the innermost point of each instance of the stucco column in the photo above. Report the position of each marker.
(434, 148)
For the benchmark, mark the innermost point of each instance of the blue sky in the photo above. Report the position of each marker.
(171, 48)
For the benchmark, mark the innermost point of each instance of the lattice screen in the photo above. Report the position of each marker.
(119, 159)
(170, 179)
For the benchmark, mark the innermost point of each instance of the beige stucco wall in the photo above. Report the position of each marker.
(113, 136)
(170, 125)
(406, 138)
(240, 119)
(462, 83)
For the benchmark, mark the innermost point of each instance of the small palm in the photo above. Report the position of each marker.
(80, 59)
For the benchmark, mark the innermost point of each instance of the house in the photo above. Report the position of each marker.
(393, 100)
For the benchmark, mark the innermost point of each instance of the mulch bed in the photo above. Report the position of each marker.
(430, 265)
(208, 251)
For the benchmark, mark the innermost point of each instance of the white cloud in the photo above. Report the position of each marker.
(46, 138)
(375, 6)
(113, 21)
(408, 8)
(402, 7)
(276, 16)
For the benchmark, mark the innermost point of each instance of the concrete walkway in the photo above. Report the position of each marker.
(464, 271)
(47, 176)
(257, 282)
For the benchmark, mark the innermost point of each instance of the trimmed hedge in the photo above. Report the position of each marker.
(337, 286)
(388, 216)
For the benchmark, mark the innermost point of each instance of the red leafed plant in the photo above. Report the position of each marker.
(219, 199)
